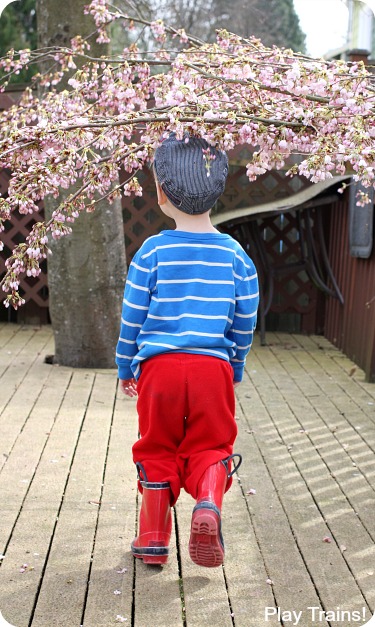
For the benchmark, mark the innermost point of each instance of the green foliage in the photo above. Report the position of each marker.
(285, 30)
(275, 22)
(18, 31)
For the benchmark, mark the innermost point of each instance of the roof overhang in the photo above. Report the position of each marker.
(282, 205)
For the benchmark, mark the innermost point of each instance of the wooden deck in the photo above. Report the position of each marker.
(68, 498)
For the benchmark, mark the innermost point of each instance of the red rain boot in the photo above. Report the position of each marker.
(155, 523)
(206, 546)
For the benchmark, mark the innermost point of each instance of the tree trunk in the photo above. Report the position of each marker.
(86, 270)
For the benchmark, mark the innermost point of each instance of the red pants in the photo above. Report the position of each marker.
(186, 418)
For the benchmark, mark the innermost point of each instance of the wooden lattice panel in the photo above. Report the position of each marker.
(293, 289)
(284, 270)
(268, 187)
(142, 216)
(31, 289)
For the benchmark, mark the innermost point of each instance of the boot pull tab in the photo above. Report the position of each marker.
(235, 466)
(140, 470)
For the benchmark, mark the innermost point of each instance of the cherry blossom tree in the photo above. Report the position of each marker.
(115, 110)
(85, 271)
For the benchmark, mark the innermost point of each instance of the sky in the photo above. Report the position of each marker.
(324, 22)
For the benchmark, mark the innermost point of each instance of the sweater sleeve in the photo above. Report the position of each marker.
(245, 315)
(135, 307)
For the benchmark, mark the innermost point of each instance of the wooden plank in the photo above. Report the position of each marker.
(204, 589)
(345, 448)
(13, 343)
(346, 528)
(352, 426)
(113, 564)
(33, 532)
(341, 511)
(20, 405)
(7, 333)
(64, 585)
(15, 338)
(284, 563)
(157, 596)
(25, 352)
(297, 492)
(18, 472)
(157, 592)
(346, 383)
(112, 550)
(245, 571)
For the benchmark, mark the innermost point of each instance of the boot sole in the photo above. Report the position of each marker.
(152, 554)
(205, 547)
(153, 559)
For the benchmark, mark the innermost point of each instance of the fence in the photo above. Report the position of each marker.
(351, 327)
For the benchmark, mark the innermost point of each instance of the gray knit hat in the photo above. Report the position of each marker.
(191, 173)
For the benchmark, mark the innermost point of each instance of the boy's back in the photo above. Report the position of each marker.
(190, 292)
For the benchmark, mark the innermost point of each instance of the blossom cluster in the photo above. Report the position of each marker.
(116, 111)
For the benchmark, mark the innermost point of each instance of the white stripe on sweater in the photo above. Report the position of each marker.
(200, 298)
(195, 281)
(131, 324)
(137, 287)
(183, 333)
(185, 348)
(137, 267)
(251, 315)
(205, 246)
(124, 356)
(248, 297)
(187, 315)
(194, 263)
(133, 306)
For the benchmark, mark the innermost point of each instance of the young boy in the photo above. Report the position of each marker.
(189, 312)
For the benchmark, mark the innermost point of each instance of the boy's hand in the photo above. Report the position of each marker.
(236, 384)
(129, 386)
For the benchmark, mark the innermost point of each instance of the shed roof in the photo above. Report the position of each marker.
(282, 205)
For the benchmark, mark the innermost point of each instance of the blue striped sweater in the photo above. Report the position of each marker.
(190, 293)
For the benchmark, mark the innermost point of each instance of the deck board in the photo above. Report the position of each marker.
(69, 502)
(67, 571)
(112, 565)
(285, 565)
